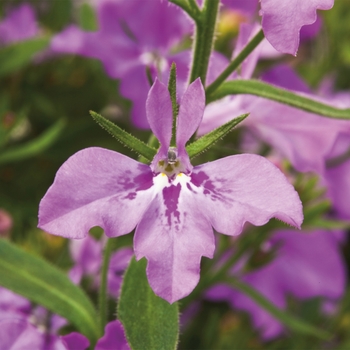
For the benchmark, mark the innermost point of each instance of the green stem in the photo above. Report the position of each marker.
(235, 63)
(172, 91)
(289, 320)
(203, 40)
(188, 8)
(102, 297)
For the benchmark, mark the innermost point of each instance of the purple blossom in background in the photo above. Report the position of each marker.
(19, 334)
(128, 46)
(173, 204)
(19, 24)
(5, 222)
(87, 256)
(306, 265)
(285, 22)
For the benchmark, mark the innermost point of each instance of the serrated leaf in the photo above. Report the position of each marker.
(15, 56)
(34, 147)
(259, 88)
(42, 283)
(208, 140)
(149, 321)
(124, 137)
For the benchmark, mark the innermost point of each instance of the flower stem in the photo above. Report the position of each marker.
(236, 62)
(204, 38)
(102, 297)
(190, 9)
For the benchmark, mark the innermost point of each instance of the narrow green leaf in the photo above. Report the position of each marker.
(125, 138)
(15, 56)
(33, 147)
(172, 91)
(149, 321)
(208, 140)
(259, 88)
(87, 17)
(42, 283)
(290, 321)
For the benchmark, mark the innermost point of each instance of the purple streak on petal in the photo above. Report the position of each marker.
(245, 188)
(92, 188)
(117, 265)
(283, 20)
(159, 113)
(114, 338)
(174, 250)
(190, 116)
(75, 341)
(18, 334)
(19, 24)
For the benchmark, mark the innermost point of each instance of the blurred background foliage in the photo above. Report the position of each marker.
(44, 118)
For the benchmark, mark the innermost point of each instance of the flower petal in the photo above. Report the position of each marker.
(173, 235)
(96, 187)
(244, 188)
(114, 338)
(159, 113)
(75, 341)
(190, 114)
(282, 21)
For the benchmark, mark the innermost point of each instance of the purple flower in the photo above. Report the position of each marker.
(306, 265)
(87, 256)
(19, 24)
(173, 204)
(284, 21)
(128, 46)
(5, 222)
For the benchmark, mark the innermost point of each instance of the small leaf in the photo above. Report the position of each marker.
(13, 57)
(125, 138)
(33, 147)
(42, 283)
(87, 17)
(149, 321)
(290, 321)
(208, 140)
(259, 88)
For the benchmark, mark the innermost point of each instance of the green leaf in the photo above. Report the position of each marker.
(13, 57)
(149, 321)
(208, 140)
(125, 138)
(259, 88)
(42, 283)
(35, 146)
(87, 17)
(288, 320)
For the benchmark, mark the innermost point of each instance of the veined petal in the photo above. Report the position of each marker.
(190, 114)
(173, 235)
(245, 188)
(282, 20)
(96, 187)
(159, 113)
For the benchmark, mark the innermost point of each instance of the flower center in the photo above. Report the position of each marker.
(171, 166)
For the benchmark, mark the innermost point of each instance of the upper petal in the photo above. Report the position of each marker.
(159, 113)
(173, 235)
(282, 20)
(244, 188)
(96, 187)
(191, 113)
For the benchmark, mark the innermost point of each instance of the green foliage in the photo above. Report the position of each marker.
(150, 322)
(44, 284)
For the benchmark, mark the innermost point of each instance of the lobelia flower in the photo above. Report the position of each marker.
(172, 204)
(19, 334)
(306, 265)
(19, 24)
(87, 256)
(128, 47)
(284, 21)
